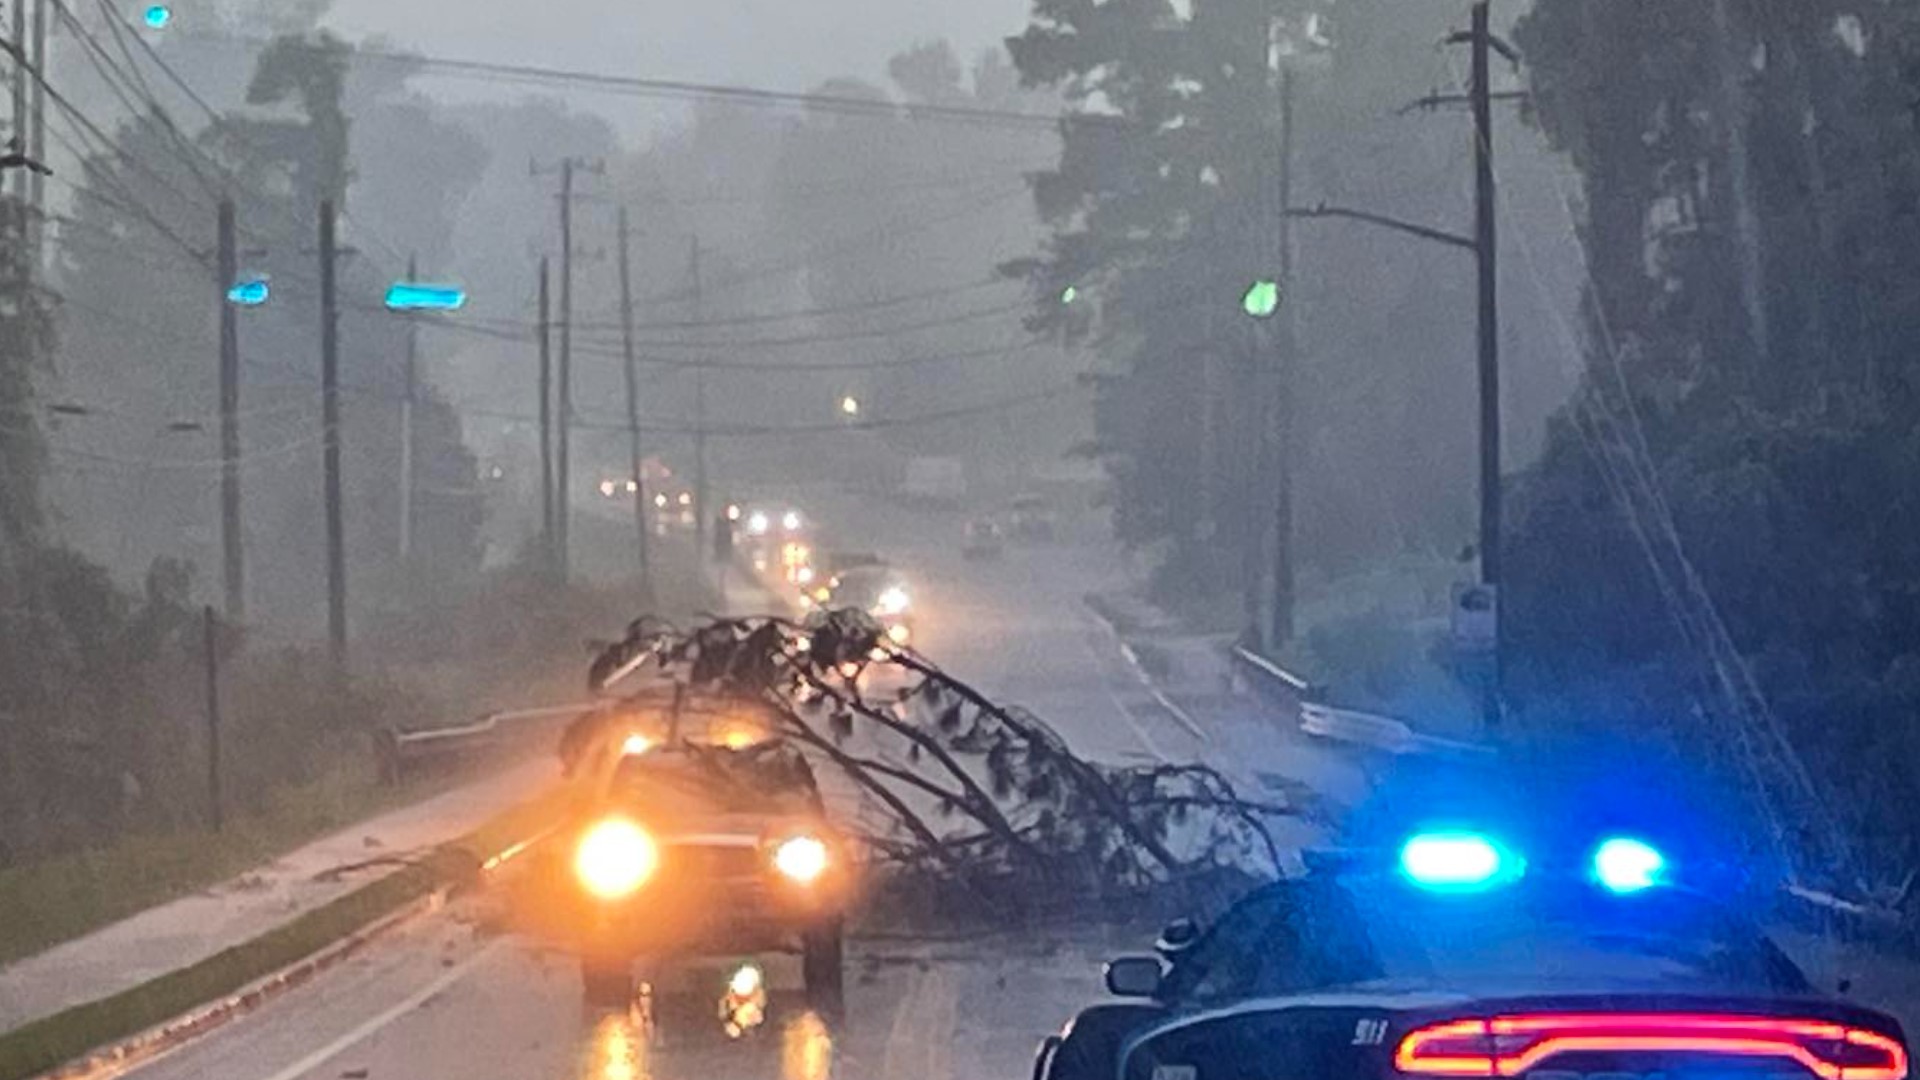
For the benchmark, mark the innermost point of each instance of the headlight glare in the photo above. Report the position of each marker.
(801, 858)
(614, 858)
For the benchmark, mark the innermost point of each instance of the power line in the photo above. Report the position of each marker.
(818, 339)
(492, 71)
(895, 300)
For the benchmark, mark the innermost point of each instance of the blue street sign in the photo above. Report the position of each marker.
(252, 292)
(411, 296)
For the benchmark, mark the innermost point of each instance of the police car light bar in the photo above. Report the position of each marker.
(1457, 861)
(1624, 865)
(1503, 1046)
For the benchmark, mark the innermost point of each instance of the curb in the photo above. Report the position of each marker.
(108, 1036)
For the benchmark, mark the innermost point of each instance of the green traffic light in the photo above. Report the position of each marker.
(1069, 294)
(1262, 299)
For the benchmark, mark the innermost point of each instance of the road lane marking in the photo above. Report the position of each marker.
(359, 1034)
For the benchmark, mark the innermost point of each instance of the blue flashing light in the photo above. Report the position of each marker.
(158, 16)
(249, 293)
(1624, 865)
(1457, 861)
(409, 296)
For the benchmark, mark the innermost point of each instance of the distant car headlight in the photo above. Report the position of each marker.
(757, 523)
(614, 858)
(801, 858)
(891, 602)
(899, 633)
(636, 744)
(803, 575)
(790, 521)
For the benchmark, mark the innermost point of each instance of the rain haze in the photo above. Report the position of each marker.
(1054, 538)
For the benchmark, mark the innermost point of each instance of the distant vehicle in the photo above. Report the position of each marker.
(880, 592)
(1032, 518)
(691, 849)
(935, 481)
(983, 540)
(1466, 961)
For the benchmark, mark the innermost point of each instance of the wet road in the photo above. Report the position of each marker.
(441, 999)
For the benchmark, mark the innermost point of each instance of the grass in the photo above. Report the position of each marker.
(46, 1043)
(52, 900)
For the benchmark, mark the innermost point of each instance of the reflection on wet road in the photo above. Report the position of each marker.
(438, 999)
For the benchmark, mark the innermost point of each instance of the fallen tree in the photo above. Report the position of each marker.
(965, 791)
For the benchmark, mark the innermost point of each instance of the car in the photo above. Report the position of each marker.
(1032, 519)
(1459, 963)
(879, 591)
(689, 849)
(983, 540)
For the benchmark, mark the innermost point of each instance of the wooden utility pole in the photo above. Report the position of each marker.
(1486, 255)
(1285, 416)
(563, 448)
(636, 476)
(412, 376)
(210, 635)
(36, 142)
(330, 425)
(232, 556)
(22, 57)
(699, 409)
(548, 558)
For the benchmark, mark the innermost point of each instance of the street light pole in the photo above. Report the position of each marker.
(1486, 255)
(406, 423)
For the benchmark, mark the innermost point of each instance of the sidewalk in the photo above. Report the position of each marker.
(192, 928)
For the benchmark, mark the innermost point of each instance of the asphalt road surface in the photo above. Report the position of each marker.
(443, 998)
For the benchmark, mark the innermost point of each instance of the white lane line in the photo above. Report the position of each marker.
(1139, 729)
(1179, 715)
(418, 998)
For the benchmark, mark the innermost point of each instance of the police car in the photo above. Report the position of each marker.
(1455, 957)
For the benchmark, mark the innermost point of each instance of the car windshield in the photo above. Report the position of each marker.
(1524, 939)
(768, 779)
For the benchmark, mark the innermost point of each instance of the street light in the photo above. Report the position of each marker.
(850, 405)
(414, 296)
(249, 292)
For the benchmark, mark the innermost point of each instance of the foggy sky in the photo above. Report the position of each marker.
(778, 44)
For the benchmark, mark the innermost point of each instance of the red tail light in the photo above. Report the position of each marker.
(1512, 1045)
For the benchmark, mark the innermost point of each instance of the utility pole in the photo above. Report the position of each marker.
(406, 423)
(546, 421)
(699, 409)
(22, 57)
(211, 637)
(232, 556)
(633, 418)
(36, 145)
(330, 424)
(563, 451)
(1280, 630)
(1485, 256)
(561, 512)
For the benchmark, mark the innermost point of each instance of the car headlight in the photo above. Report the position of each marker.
(614, 858)
(757, 524)
(891, 602)
(801, 858)
(899, 633)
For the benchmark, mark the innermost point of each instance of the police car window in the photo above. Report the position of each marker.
(1295, 937)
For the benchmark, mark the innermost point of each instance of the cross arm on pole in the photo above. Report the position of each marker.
(1422, 231)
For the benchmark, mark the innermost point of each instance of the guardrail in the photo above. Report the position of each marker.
(403, 753)
(1316, 718)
